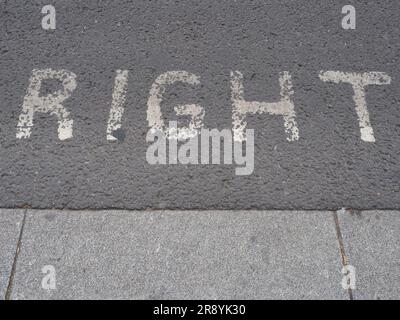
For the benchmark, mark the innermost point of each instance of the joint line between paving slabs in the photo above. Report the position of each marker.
(344, 258)
(14, 266)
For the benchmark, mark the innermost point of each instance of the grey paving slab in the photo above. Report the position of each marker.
(182, 255)
(372, 244)
(10, 226)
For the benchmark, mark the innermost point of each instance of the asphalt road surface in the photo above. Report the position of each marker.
(330, 153)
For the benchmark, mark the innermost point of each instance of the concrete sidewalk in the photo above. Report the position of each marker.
(198, 254)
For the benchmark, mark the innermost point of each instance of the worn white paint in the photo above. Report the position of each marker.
(241, 107)
(194, 111)
(196, 114)
(359, 81)
(51, 103)
(117, 104)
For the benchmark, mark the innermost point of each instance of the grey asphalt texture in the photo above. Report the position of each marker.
(328, 168)
(200, 255)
